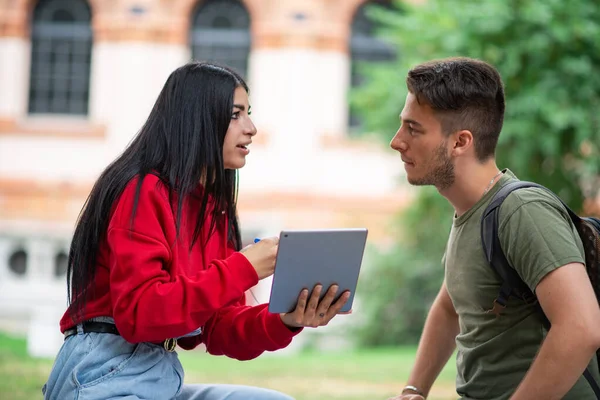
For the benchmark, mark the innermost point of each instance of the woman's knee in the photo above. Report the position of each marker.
(229, 392)
(267, 394)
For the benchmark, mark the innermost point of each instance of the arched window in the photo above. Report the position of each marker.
(366, 47)
(61, 261)
(221, 33)
(17, 262)
(61, 49)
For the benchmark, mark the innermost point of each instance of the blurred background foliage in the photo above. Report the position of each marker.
(548, 54)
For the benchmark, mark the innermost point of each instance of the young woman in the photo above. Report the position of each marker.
(155, 260)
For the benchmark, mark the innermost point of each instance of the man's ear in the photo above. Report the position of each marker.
(463, 142)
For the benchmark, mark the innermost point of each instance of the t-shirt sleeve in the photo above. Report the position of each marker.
(537, 236)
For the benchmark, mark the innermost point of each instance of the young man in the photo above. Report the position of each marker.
(449, 130)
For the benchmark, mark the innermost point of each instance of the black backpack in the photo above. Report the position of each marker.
(588, 229)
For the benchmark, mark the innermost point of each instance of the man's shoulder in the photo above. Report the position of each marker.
(534, 200)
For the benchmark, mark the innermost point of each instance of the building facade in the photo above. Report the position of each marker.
(78, 79)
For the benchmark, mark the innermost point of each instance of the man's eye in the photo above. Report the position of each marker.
(411, 130)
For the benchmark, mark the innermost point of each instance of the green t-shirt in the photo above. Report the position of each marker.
(494, 353)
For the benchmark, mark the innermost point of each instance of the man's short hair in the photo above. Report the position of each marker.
(465, 94)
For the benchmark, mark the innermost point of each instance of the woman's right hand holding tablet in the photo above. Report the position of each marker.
(314, 312)
(262, 256)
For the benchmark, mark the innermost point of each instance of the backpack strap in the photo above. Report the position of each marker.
(512, 284)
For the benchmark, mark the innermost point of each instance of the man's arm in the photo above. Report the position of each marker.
(436, 345)
(567, 298)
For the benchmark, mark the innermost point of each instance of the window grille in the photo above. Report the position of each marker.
(61, 49)
(365, 47)
(221, 33)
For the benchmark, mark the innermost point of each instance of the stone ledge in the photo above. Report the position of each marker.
(52, 127)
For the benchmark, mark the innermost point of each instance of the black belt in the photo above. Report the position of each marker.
(106, 327)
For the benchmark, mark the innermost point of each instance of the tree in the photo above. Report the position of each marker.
(548, 54)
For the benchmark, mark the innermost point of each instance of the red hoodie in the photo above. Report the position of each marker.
(155, 288)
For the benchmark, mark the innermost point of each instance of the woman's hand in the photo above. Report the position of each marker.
(262, 256)
(311, 312)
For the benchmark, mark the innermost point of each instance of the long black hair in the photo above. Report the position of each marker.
(182, 143)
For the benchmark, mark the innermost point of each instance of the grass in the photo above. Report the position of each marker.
(356, 375)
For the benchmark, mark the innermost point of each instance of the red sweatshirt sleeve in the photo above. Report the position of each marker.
(151, 302)
(244, 332)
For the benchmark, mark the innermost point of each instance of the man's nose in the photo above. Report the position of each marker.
(398, 144)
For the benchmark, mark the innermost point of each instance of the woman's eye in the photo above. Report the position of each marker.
(235, 115)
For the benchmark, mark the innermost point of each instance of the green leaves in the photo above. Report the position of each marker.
(548, 54)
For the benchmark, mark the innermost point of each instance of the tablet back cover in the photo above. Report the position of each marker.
(307, 257)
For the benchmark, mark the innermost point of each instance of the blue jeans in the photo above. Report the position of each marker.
(103, 366)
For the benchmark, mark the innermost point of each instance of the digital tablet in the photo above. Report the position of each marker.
(309, 257)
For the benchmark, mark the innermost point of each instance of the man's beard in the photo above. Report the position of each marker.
(441, 175)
